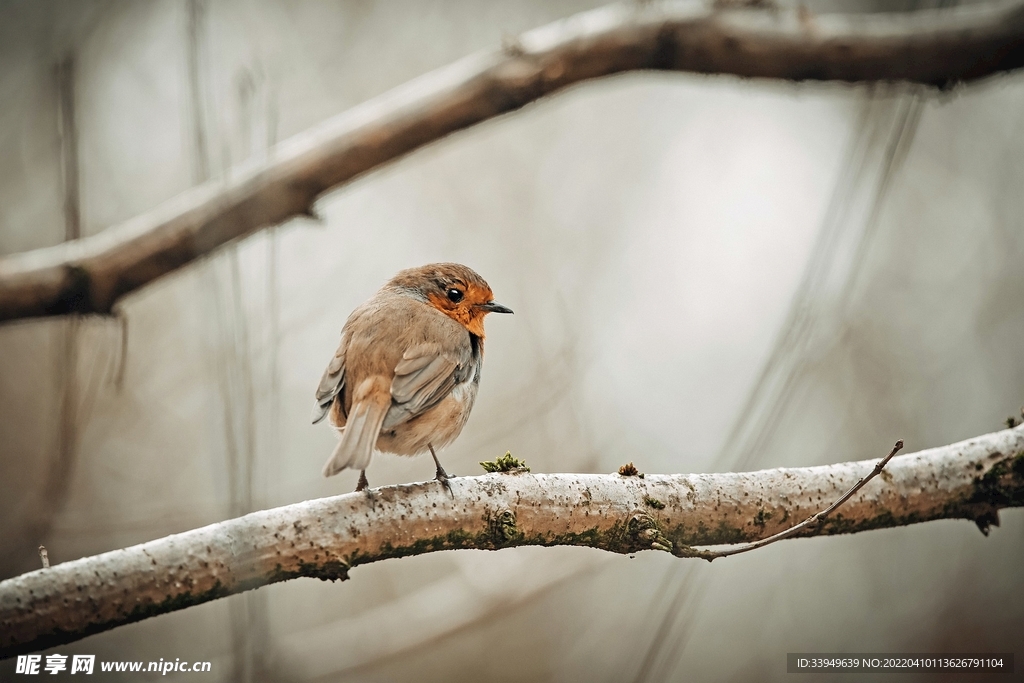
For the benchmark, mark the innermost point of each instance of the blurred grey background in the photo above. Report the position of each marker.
(708, 274)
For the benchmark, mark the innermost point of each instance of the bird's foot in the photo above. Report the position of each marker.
(364, 486)
(441, 475)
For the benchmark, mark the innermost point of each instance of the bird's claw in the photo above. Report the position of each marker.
(364, 486)
(443, 477)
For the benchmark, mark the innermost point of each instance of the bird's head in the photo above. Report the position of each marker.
(455, 290)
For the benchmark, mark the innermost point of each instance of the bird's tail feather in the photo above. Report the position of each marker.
(362, 428)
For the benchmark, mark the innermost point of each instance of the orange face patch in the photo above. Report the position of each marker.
(466, 312)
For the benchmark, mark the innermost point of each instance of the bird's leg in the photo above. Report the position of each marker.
(440, 475)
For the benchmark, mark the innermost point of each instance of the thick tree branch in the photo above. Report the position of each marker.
(932, 47)
(624, 514)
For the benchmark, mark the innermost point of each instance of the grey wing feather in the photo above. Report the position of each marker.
(423, 378)
(411, 364)
(331, 384)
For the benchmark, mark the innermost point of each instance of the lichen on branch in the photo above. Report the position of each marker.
(506, 463)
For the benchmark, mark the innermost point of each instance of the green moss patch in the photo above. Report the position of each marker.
(506, 463)
(653, 503)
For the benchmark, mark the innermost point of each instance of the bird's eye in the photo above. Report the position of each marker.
(454, 295)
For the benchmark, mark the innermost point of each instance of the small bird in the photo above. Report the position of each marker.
(408, 368)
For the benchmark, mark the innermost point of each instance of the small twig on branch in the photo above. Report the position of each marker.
(811, 521)
(931, 47)
(44, 557)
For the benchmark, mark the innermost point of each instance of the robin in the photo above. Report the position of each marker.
(408, 368)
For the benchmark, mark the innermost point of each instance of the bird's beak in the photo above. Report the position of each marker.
(492, 307)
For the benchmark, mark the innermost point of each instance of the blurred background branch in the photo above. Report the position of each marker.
(931, 47)
(623, 513)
